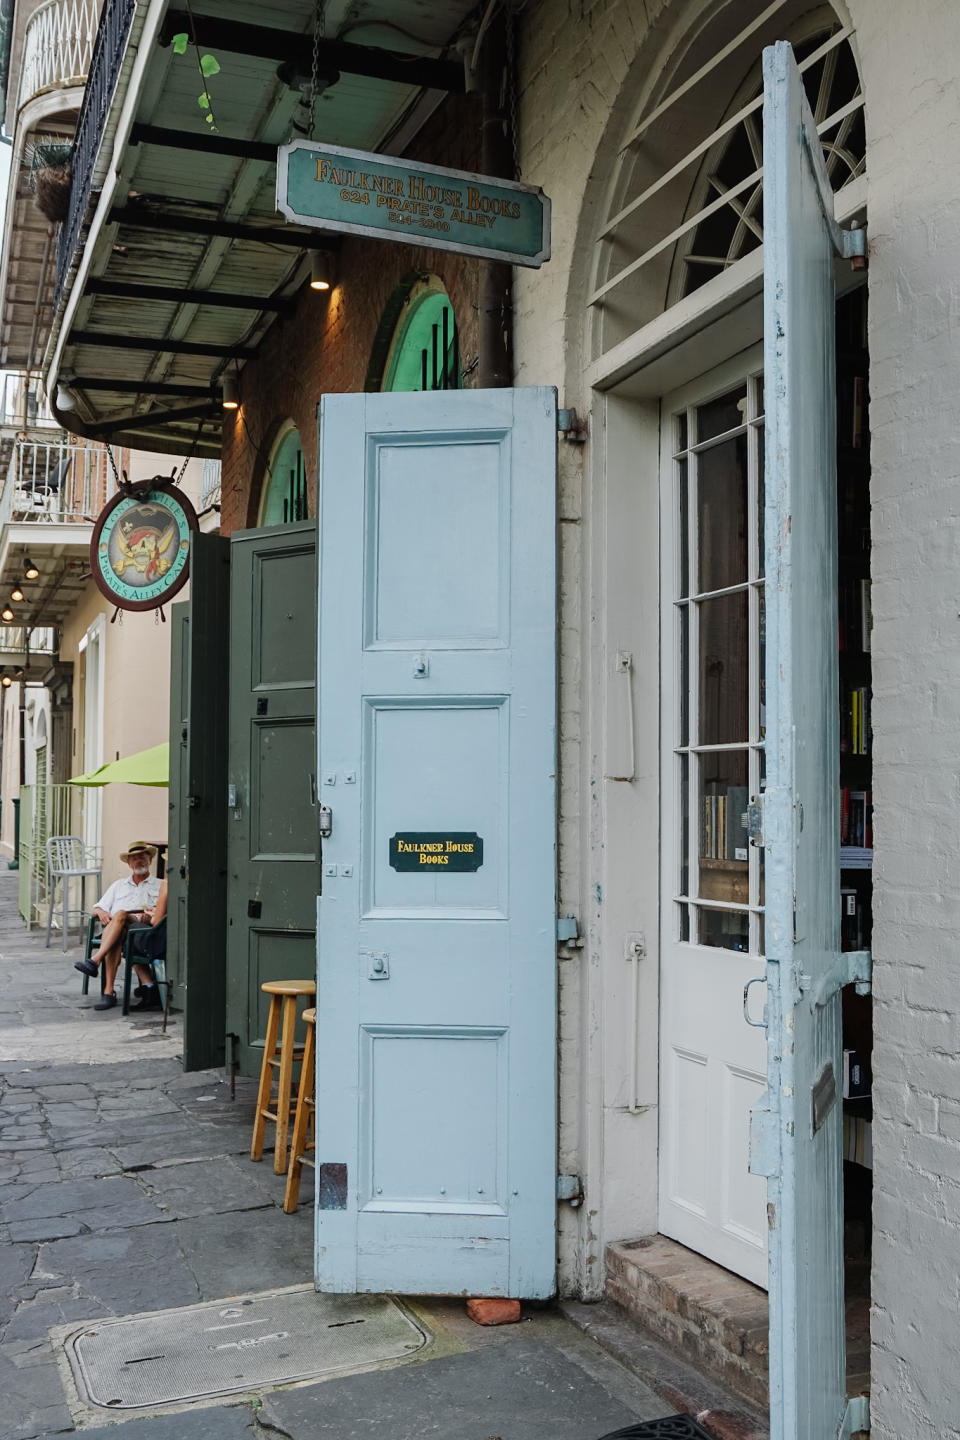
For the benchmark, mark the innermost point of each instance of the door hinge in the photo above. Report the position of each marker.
(850, 967)
(325, 821)
(570, 1187)
(856, 1418)
(568, 933)
(755, 821)
(764, 1141)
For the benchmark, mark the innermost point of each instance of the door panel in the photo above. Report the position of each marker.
(197, 864)
(272, 842)
(437, 926)
(802, 1141)
(712, 1063)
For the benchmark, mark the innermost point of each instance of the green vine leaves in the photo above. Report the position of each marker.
(208, 65)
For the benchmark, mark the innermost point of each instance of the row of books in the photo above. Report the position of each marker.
(856, 818)
(723, 824)
(855, 615)
(854, 920)
(854, 719)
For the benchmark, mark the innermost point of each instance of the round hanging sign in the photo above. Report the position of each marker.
(140, 550)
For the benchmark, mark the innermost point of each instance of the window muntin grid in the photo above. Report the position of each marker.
(719, 716)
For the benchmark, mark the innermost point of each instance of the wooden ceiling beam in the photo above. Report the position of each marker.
(176, 295)
(266, 42)
(158, 345)
(203, 144)
(148, 216)
(139, 423)
(137, 387)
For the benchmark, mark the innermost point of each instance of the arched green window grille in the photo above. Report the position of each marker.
(284, 499)
(424, 352)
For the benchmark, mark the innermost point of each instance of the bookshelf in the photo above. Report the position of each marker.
(854, 612)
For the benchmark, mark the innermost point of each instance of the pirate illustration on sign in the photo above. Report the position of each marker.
(140, 549)
(144, 546)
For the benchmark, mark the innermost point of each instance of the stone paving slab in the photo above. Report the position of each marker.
(521, 1390)
(214, 1188)
(222, 1422)
(34, 1402)
(253, 1250)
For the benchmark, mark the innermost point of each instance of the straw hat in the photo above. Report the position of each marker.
(139, 847)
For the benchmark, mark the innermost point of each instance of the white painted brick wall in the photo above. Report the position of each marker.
(910, 68)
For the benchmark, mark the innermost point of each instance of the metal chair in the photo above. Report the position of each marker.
(94, 929)
(156, 963)
(66, 862)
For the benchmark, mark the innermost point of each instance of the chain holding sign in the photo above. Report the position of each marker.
(360, 193)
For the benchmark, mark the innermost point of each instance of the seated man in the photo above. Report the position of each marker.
(132, 898)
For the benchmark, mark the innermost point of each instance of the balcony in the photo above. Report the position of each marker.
(57, 47)
(54, 482)
(52, 492)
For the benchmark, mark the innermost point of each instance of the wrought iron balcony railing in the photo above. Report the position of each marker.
(57, 46)
(55, 482)
(106, 60)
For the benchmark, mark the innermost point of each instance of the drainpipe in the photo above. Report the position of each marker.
(495, 369)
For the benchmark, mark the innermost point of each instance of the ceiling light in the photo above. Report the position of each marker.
(29, 569)
(66, 400)
(319, 270)
(6, 614)
(6, 680)
(16, 594)
(230, 395)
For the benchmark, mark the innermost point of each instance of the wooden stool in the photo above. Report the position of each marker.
(304, 1132)
(279, 1053)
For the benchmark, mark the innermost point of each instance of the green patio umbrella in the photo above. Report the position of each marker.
(146, 767)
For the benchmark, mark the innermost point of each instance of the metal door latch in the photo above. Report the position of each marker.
(755, 820)
(325, 821)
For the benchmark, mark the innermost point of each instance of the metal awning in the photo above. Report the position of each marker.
(186, 263)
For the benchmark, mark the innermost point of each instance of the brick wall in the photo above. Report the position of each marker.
(324, 346)
(910, 71)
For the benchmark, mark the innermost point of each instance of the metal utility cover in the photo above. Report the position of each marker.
(225, 1347)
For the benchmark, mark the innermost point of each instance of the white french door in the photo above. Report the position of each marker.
(712, 1062)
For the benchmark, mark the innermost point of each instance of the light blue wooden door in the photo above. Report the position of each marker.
(799, 1145)
(436, 1166)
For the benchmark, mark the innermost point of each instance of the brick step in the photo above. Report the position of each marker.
(712, 1317)
(718, 1321)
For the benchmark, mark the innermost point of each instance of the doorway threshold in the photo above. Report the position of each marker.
(716, 1321)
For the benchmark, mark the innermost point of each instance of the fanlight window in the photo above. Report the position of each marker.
(284, 499)
(686, 203)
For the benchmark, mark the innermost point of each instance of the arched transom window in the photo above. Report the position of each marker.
(686, 201)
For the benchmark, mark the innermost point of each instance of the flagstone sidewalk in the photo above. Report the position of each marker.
(126, 1187)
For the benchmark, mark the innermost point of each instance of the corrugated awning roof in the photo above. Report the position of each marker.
(141, 332)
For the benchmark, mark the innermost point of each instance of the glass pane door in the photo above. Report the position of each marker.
(718, 604)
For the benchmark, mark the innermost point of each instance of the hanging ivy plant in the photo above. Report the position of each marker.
(208, 65)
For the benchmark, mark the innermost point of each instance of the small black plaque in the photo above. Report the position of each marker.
(333, 1187)
(436, 851)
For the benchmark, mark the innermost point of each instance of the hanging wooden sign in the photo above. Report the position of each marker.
(360, 193)
(140, 549)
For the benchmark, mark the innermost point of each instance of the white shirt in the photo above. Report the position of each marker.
(123, 894)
